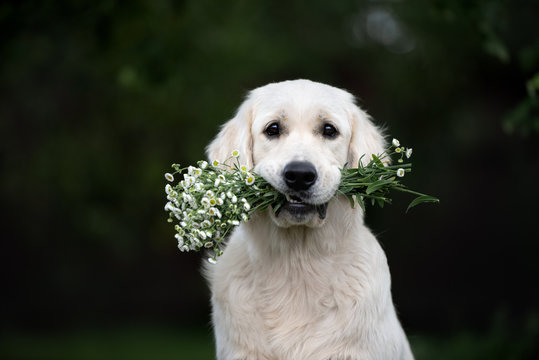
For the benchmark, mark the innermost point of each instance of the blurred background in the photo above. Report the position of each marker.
(98, 98)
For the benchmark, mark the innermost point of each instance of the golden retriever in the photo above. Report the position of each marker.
(310, 282)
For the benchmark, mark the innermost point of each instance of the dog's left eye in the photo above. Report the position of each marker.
(329, 131)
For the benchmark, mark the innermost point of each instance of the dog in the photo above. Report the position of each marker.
(310, 281)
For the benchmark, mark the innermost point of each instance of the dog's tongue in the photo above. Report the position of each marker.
(322, 210)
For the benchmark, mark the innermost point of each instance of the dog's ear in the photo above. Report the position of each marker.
(367, 139)
(234, 135)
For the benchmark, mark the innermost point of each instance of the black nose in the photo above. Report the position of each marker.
(299, 175)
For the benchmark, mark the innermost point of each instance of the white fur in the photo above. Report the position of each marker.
(295, 288)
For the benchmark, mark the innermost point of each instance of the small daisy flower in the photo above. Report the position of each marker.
(215, 163)
(206, 223)
(244, 217)
(169, 177)
(234, 199)
(212, 261)
(400, 172)
(243, 168)
(235, 153)
(214, 212)
(396, 142)
(398, 150)
(408, 153)
(208, 245)
(250, 179)
(203, 164)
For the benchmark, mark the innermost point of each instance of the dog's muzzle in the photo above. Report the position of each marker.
(299, 177)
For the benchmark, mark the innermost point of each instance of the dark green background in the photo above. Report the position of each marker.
(98, 98)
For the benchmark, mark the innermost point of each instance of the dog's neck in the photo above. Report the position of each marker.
(267, 239)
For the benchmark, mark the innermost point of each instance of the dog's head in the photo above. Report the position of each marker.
(298, 135)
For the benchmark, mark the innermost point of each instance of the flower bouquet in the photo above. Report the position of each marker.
(212, 199)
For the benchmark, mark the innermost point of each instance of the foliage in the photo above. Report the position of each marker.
(214, 198)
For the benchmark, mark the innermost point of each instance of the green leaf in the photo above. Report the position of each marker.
(377, 185)
(377, 161)
(360, 201)
(422, 199)
(351, 199)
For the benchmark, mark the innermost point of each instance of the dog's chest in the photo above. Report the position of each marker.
(300, 303)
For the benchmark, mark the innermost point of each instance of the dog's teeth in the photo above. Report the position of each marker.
(294, 200)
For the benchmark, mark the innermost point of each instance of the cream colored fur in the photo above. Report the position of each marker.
(303, 288)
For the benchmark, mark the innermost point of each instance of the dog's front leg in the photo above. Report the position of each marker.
(238, 332)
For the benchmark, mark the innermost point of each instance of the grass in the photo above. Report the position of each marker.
(117, 344)
(157, 343)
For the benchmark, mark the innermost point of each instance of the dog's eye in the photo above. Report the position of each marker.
(329, 131)
(273, 130)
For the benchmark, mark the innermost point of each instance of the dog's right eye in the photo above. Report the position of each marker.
(273, 130)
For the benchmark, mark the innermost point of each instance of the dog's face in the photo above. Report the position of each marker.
(298, 135)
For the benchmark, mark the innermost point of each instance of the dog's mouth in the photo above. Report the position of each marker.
(295, 205)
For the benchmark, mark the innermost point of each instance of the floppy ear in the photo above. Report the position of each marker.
(367, 138)
(234, 135)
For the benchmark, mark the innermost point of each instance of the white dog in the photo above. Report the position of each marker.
(310, 282)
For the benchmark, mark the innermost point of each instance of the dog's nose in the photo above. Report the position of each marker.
(299, 175)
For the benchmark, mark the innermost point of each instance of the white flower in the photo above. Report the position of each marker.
(246, 206)
(243, 168)
(208, 245)
(169, 177)
(214, 212)
(244, 217)
(408, 153)
(210, 194)
(398, 150)
(215, 163)
(400, 172)
(235, 153)
(205, 224)
(189, 180)
(229, 195)
(250, 179)
(203, 165)
(169, 206)
(168, 189)
(212, 261)
(396, 143)
(235, 222)
(217, 182)
(234, 199)
(219, 201)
